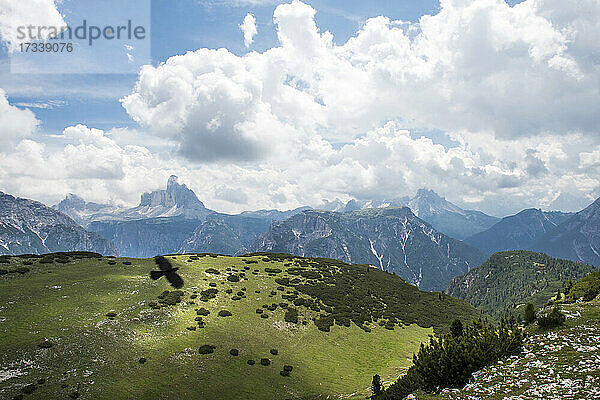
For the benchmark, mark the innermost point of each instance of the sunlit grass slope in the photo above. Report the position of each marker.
(95, 327)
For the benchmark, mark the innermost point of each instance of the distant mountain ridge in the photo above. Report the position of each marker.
(517, 232)
(577, 238)
(27, 226)
(176, 200)
(426, 204)
(393, 239)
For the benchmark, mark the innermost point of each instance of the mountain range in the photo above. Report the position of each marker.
(393, 239)
(426, 204)
(517, 231)
(27, 226)
(416, 237)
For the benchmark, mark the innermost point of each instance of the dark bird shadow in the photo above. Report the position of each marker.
(167, 270)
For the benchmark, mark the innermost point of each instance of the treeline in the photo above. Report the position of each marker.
(449, 361)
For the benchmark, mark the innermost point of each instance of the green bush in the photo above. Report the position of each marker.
(288, 368)
(3, 271)
(529, 314)
(324, 323)
(265, 316)
(251, 362)
(22, 270)
(551, 319)
(284, 373)
(234, 352)
(449, 361)
(202, 311)
(212, 271)
(46, 344)
(259, 310)
(274, 352)
(265, 361)
(207, 349)
(233, 278)
(225, 313)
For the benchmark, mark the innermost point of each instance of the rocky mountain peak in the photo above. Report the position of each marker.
(176, 195)
(427, 202)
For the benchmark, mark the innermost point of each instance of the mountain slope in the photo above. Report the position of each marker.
(335, 341)
(577, 238)
(27, 226)
(393, 239)
(517, 232)
(426, 204)
(513, 278)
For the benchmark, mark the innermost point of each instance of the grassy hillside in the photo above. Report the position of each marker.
(510, 279)
(586, 289)
(100, 328)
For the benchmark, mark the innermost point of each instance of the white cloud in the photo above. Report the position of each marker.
(515, 88)
(15, 123)
(248, 27)
(16, 16)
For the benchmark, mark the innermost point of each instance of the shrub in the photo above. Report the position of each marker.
(111, 315)
(274, 352)
(291, 315)
(28, 389)
(529, 314)
(284, 373)
(3, 271)
(142, 360)
(234, 352)
(265, 361)
(225, 313)
(202, 311)
(27, 262)
(259, 311)
(272, 270)
(111, 262)
(212, 271)
(251, 362)
(46, 344)
(590, 294)
(456, 328)
(551, 319)
(376, 386)
(449, 361)
(288, 368)
(22, 270)
(126, 262)
(233, 278)
(324, 323)
(191, 328)
(264, 315)
(206, 349)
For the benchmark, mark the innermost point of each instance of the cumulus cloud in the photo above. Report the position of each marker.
(36, 13)
(248, 28)
(15, 123)
(514, 88)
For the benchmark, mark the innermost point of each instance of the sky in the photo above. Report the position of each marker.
(277, 104)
